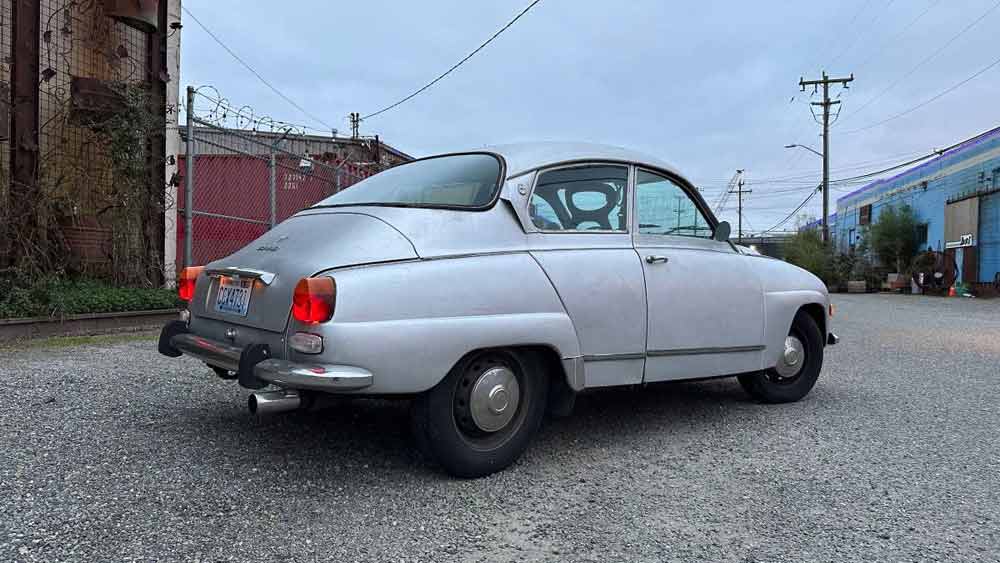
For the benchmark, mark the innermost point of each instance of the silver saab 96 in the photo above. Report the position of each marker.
(494, 285)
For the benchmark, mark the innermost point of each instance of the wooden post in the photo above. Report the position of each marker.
(23, 193)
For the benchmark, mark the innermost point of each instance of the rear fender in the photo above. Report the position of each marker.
(409, 323)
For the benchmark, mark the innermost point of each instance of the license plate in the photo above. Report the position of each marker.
(233, 296)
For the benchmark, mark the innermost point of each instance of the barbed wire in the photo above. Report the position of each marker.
(222, 112)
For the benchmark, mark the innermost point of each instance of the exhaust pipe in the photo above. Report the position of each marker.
(272, 402)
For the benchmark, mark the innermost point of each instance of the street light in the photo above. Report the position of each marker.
(825, 185)
(810, 149)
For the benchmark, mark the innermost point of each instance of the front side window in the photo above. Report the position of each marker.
(581, 198)
(462, 181)
(664, 208)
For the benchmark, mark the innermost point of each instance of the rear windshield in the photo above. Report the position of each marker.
(464, 181)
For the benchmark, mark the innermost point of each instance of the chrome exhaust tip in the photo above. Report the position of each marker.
(272, 402)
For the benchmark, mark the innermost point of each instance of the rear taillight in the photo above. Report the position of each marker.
(186, 281)
(314, 299)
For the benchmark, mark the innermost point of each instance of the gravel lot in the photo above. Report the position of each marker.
(111, 452)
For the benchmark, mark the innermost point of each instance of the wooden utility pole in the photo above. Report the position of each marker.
(22, 217)
(355, 122)
(825, 82)
(739, 191)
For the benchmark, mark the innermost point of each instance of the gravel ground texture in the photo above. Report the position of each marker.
(114, 453)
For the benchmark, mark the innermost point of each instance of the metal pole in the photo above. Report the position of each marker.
(739, 206)
(272, 164)
(825, 81)
(189, 179)
(826, 158)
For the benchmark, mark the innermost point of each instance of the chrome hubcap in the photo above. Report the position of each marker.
(792, 358)
(494, 398)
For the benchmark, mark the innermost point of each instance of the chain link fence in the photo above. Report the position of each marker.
(240, 183)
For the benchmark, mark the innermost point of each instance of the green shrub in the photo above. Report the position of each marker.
(806, 250)
(893, 237)
(53, 296)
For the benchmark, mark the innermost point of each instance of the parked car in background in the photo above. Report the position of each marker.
(489, 286)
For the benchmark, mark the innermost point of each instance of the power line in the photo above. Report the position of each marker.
(456, 65)
(796, 210)
(897, 35)
(254, 72)
(927, 101)
(937, 152)
(872, 23)
(794, 158)
(925, 60)
(869, 175)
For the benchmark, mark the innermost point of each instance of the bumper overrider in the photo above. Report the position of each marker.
(832, 339)
(254, 366)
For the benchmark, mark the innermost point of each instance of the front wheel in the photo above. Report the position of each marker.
(481, 417)
(797, 369)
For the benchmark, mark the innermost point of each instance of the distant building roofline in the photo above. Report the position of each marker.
(988, 136)
(302, 137)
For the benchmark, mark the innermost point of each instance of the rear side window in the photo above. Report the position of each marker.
(581, 198)
(461, 181)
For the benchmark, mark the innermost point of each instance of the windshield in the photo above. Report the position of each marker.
(462, 180)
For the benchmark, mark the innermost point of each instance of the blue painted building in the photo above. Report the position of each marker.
(817, 224)
(956, 196)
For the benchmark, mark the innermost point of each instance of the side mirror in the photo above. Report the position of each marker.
(722, 231)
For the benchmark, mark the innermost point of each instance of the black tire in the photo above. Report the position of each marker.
(444, 431)
(770, 387)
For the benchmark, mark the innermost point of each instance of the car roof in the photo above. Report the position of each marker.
(525, 157)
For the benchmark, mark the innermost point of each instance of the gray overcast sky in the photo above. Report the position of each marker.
(707, 85)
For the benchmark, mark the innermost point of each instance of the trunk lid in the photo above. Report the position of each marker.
(299, 247)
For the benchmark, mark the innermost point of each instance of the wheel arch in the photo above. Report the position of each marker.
(558, 369)
(818, 314)
(561, 373)
(781, 308)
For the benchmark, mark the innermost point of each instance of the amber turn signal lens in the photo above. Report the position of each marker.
(314, 299)
(186, 281)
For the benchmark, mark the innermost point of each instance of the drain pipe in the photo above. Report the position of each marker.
(272, 402)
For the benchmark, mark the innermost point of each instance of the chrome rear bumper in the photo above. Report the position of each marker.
(284, 373)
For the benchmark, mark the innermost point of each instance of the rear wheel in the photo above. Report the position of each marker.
(797, 369)
(482, 416)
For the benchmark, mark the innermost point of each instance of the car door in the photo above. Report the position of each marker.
(705, 308)
(579, 234)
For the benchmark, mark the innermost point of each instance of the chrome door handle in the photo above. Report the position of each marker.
(655, 259)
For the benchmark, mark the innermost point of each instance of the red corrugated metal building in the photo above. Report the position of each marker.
(232, 189)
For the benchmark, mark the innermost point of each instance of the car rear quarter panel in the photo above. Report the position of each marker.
(410, 322)
(787, 288)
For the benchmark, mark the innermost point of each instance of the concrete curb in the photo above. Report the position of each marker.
(83, 325)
